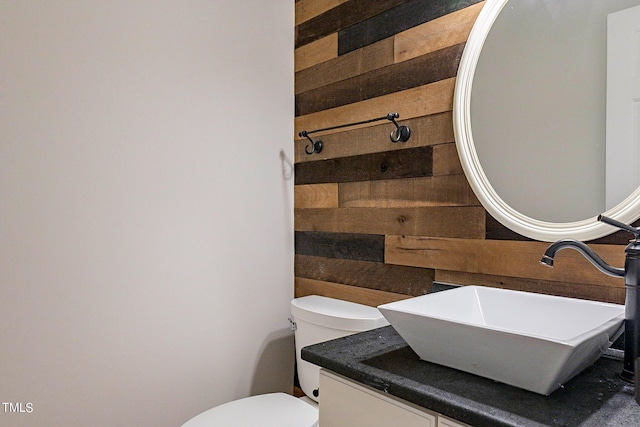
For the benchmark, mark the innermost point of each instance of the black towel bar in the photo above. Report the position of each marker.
(401, 133)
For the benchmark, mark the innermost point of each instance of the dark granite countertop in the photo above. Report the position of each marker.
(382, 359)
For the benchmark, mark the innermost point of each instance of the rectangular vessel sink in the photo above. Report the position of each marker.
(535, 342)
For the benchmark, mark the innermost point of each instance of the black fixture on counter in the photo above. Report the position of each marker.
(401, 133)
(631, 275)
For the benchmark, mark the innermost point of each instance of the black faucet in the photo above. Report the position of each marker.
(631, 274)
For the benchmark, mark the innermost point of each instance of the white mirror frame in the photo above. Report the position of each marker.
(627, 211)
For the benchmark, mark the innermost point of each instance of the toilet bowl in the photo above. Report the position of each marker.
(314, 319)
(268, 410)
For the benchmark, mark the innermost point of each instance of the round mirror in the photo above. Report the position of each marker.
(546, 119)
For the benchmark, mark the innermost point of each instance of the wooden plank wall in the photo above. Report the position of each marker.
(375, 221)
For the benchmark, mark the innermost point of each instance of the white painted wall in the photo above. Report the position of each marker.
(146, 232)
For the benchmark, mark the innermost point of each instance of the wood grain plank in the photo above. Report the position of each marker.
(339, 17)
(360, 247)
(358, 62)
(614, 295)
(383, 277)
(307, 9)
(316, 52)
(405, 163)
(420, 101)
(500, 258)
(315, 196)
(427, 130)
(426, 38)
(425, 221)
(448, 190)
(433, 35)
(394, 21)
(446, 160)
(497, 231)
(420, 71)
(371, 297)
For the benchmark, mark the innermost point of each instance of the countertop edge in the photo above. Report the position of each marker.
(351, 357)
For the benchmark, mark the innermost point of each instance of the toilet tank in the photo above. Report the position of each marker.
(318, 319)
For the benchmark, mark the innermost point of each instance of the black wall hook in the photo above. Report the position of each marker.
(401, 133)
(316, 146)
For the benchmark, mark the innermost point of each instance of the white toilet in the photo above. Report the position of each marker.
(315, 319)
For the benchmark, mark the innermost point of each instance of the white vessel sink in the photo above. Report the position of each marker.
(535, 342)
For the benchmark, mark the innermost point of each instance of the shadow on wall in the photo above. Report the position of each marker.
(276, 355)
(287, 166)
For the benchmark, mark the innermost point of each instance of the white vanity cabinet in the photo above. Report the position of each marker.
(345, 403)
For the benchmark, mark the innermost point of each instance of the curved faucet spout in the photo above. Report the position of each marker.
(585, 250)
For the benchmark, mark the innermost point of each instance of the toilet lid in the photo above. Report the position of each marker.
(265, 410)
(337, 314)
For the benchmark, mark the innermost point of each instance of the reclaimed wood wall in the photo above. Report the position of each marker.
(376, 221)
